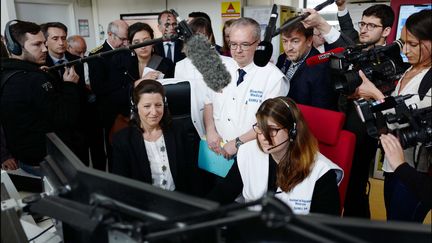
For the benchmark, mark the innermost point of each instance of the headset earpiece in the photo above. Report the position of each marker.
(292, 133)
(12, 46)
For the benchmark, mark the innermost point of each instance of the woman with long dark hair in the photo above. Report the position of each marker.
(401, 202)
(283, 159)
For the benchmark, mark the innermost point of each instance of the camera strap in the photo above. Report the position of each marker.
(425, 84)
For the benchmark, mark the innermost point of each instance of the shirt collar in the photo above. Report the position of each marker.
(55, 60)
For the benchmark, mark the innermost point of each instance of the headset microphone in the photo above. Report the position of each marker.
(279, 144)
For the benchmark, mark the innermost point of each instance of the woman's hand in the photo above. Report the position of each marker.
(152, 75)
(367, 89)
(393, 150)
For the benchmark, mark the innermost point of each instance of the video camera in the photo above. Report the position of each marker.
(419, 129)
(382, 65)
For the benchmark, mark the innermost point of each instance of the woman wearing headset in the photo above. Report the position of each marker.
(283, 159)
(150, 150)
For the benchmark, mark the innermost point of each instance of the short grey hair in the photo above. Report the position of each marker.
(244, 22)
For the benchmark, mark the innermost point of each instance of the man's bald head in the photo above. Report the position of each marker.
(76, 45)
(117, 33)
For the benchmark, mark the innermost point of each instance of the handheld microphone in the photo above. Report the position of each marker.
(278, 145)
(264, 49)
(323, 57)
(301, 17)
(208, 62)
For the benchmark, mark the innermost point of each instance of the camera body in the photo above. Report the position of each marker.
(382, 65)
(419, 129)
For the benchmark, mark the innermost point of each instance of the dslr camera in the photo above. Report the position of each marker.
(382, 65)
(419, 121)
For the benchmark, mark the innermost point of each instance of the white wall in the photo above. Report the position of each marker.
(101, 12)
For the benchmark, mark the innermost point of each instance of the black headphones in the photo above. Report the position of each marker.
(292, 133)
(134, 108)
(12, 46)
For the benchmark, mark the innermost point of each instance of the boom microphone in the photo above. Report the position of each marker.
(208, 62)
(301, 17)
(264, 50)
(323, 57)
(278, 145)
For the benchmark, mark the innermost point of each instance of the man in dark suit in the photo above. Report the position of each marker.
(169, 49)
(55, 34)
(308, 85)
(93, 127)
(109, 95)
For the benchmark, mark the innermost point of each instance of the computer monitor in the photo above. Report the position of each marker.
(405, 11)
(79, 182)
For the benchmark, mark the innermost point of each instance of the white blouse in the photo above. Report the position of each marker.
(159, 164)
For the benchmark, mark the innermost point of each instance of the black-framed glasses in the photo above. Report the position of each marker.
(369, 26)
(243, 46)
(272, 130)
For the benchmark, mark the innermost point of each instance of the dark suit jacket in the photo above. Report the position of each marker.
(74, 136)
(347, 27)
(311, 85)
(178, 54)
(112, 95)
(130, 156)
(79, 69)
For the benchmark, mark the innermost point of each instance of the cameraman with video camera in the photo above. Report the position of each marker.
(401, 202)
(374, 28)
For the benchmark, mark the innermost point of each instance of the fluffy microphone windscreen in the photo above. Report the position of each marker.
(208, 62)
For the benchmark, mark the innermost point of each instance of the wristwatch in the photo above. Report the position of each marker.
(238, 142)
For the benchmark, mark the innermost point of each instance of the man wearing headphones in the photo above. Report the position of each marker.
(29, 105)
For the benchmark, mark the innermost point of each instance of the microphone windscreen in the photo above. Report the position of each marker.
(263, 53)
(208, 62)
(323, 57)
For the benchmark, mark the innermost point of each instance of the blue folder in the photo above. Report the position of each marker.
(212, 162)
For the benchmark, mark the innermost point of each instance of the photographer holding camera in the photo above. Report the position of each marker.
(374, 27)
(401, 203)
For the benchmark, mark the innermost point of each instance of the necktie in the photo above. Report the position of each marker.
(61, 70)
(169, 53)
(242, 73)
(291, 71)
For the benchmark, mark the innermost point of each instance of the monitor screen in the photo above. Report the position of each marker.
(67, 169)
(404, 12)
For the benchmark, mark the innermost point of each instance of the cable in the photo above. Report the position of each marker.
(41, 233)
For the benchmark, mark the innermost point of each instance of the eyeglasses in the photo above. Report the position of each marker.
(120, 38)
(272, 131)
(243, 46)
(369, 26)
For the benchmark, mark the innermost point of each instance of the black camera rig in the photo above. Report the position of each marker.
(382, 65)
(419, 129)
